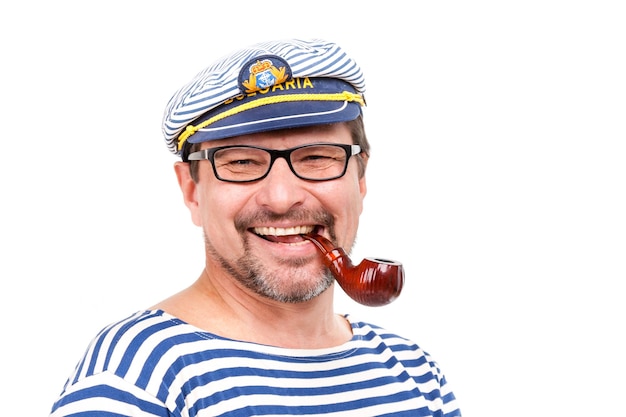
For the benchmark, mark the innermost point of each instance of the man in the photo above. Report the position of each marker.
(273, 147)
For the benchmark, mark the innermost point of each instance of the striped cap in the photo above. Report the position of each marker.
(268, 86)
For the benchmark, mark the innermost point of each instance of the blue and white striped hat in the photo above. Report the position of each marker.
(268, 86)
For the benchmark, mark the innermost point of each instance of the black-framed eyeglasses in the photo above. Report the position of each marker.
(313, 162)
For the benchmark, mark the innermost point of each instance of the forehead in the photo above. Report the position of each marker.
(286, 138)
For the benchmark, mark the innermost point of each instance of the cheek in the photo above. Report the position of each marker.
(218, 208)
(345, 200)
(214, 200)
(214, 207)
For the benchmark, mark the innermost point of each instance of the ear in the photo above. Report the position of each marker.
(362, 182)
(362, 187)
(190, 189)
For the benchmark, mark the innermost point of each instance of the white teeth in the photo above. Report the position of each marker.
(283, 231)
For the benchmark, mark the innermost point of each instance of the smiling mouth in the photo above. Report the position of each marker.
(288, 235)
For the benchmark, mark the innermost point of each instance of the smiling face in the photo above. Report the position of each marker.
(252, 230)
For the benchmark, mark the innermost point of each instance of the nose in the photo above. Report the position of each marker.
(280, 190)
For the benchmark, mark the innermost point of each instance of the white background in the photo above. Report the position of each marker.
(497, 178)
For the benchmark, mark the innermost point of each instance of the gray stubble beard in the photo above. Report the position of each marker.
(250, 272)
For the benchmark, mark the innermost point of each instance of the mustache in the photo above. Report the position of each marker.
(244, 221)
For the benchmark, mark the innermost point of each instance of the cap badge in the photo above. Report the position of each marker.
(264, 72)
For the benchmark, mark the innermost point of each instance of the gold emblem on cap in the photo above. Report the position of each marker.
(258, 68)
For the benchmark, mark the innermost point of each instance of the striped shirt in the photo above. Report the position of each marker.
(153, 364)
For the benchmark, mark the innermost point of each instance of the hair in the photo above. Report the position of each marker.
(357, 131)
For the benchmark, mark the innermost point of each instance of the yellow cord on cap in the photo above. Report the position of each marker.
(344, 96)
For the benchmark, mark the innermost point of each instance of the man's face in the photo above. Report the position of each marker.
(252, 229)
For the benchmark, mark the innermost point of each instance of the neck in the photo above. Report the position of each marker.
(225, 308)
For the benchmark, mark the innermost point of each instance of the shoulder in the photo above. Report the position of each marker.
(131, 332)
(368, 331)
(415, 361)
(137, 339)
(405, 350)
(116, 361)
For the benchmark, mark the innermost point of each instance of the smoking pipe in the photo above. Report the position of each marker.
(374, 282)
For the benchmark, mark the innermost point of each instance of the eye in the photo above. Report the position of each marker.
(315, 157)
(319, 155)
(240, 158)
(242, 162)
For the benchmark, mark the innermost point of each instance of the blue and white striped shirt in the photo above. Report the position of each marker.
(153, 364)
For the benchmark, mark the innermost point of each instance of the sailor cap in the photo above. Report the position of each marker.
(268, 86)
